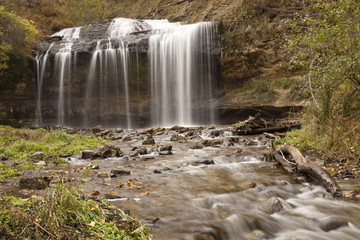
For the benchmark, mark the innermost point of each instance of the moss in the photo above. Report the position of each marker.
(21, 144)
(6, 171)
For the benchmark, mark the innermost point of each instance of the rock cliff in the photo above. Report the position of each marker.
(248, 37)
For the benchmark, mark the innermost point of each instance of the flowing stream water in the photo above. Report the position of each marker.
(223, 190)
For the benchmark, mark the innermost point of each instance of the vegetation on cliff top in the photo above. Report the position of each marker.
(17, 37)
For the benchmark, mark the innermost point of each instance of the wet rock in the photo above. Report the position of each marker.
(102, 133)
(140, 150)
(149, 141)
(38, 155)
(147, 131)
(152, 220)
(34, 183)
(252, 185)
(147, 158)
(197, 146)
(108, 151)
(126, 139)
(96, 129)
(121, 172)
(212, 143)
(227, 143)
(4, 157)
(257, 235)
(215, 133)
(86, 154)
(157, 171)
(111, 196)
(177, 128)
(133, 154)
(178, 138)
(166, 153)
(333, 222)
(184, 130)
(114, 137)
(204, 162)
(40, 163)
(205, 236)
(251, 143)
(274, 205)
(119, 130)
(96, 167)
(165, 148)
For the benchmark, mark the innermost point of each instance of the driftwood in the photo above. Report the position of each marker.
(258, 125)
(294, 162)
(268, 130)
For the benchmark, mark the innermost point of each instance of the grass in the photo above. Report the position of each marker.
(338, 136)
(19, 145)
(66, 214)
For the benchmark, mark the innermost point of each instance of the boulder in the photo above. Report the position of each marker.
(86, 154)
(149, 141)
(333, 222)
(38, 155)
(108, 151)
(274, 205)
(178, 138)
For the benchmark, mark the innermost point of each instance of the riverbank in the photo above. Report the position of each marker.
(194, 183)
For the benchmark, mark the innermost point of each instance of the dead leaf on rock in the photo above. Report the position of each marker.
(143, 194)
(95, 193)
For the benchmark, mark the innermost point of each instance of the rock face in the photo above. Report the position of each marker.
(248, 49)
(130, 72)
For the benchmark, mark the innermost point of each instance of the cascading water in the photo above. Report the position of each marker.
(135, 73)
(63, 66)
(181, 76)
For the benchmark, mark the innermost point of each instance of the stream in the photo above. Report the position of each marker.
(224, 190)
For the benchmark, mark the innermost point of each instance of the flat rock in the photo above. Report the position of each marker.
(121, 172)
(204, 162)
(87, 154)
(34, 183)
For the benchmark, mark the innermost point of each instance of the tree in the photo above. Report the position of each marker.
(17, 37)
(324, 40)
(85, 11)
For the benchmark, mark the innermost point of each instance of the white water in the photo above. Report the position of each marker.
(40, 64)
(178, 70)
(180, 75)
(63, 67)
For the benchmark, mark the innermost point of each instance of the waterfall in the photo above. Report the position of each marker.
(181, 73)
(63, 67)
(40, 65)
(136, 73)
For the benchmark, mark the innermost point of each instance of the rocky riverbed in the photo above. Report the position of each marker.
(201, 183)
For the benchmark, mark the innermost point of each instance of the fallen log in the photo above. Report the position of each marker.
(267, 130)
(294, 162)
